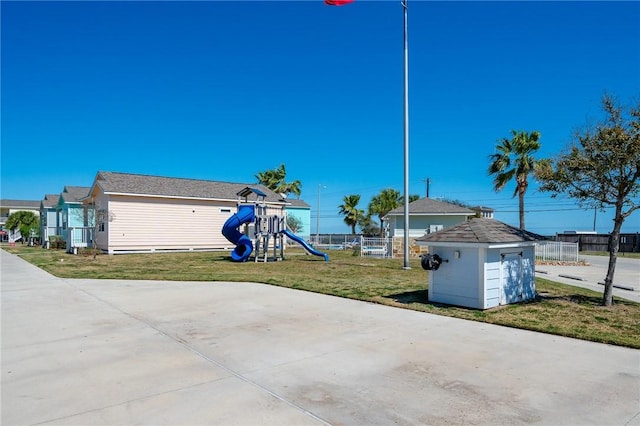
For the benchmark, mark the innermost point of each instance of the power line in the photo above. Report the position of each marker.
(541, 210)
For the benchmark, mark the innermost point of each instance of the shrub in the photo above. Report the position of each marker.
(57, 242)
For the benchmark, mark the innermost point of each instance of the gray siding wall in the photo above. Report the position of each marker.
(419, 225)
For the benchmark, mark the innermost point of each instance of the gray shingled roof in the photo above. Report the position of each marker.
(297, 203)
(74, 194)
(125, 183)
(50, 200)
(25, 204)
(481, 230)
(429, 206)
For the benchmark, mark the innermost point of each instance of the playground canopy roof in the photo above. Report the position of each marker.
(248, 191)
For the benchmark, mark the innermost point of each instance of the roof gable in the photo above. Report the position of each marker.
(159, 186)
(481, 230)
(429, 206)
(50, 201)
(295, 203)
(74, 194)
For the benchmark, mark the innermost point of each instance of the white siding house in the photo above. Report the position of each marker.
(142, 213)
(483, 211)
(485, 263)
(426, 216)
(7, 207)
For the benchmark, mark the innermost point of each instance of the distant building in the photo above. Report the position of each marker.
(482, 211)
(50, 220)
(302, 212)
(426, 216)
(7, 207)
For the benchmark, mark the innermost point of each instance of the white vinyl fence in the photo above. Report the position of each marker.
(334, 241)
(557, 251)
(367, 246)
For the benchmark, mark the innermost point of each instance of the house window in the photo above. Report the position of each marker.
(102, 216)
(435, 228)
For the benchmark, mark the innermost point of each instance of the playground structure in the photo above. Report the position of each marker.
(268, 231)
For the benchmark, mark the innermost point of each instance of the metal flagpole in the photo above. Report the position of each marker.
(406, 140)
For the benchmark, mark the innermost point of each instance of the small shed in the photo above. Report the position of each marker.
(481, 264)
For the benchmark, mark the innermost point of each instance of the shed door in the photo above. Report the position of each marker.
(511, 278)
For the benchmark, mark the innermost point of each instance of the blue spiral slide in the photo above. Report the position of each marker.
(244, 246)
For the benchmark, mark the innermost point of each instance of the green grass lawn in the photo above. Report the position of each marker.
(559, 309)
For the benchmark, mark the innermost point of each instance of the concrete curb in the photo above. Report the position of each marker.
(622, 287)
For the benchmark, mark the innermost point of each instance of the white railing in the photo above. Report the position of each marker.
(79, 237)
(376, 247)
(368, 246)
(334, 242)
(557, 251)
(14, 236)
(47, 231)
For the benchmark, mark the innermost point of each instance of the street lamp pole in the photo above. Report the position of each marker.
(318, 215)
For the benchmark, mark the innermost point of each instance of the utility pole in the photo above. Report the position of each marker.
(428, 182)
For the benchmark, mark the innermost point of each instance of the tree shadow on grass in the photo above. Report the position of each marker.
(579, 299)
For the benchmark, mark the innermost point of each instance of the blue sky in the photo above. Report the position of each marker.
(223, 90)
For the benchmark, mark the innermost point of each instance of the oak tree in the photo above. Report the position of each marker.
(601, 168)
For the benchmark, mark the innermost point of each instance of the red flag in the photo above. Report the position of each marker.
(337, 2)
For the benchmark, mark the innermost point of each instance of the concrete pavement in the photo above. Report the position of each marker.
(626, 276)
(115, 352)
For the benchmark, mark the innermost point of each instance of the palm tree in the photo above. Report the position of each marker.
(514, 159)
(352, 214)
(383, 203)
(275, 181)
